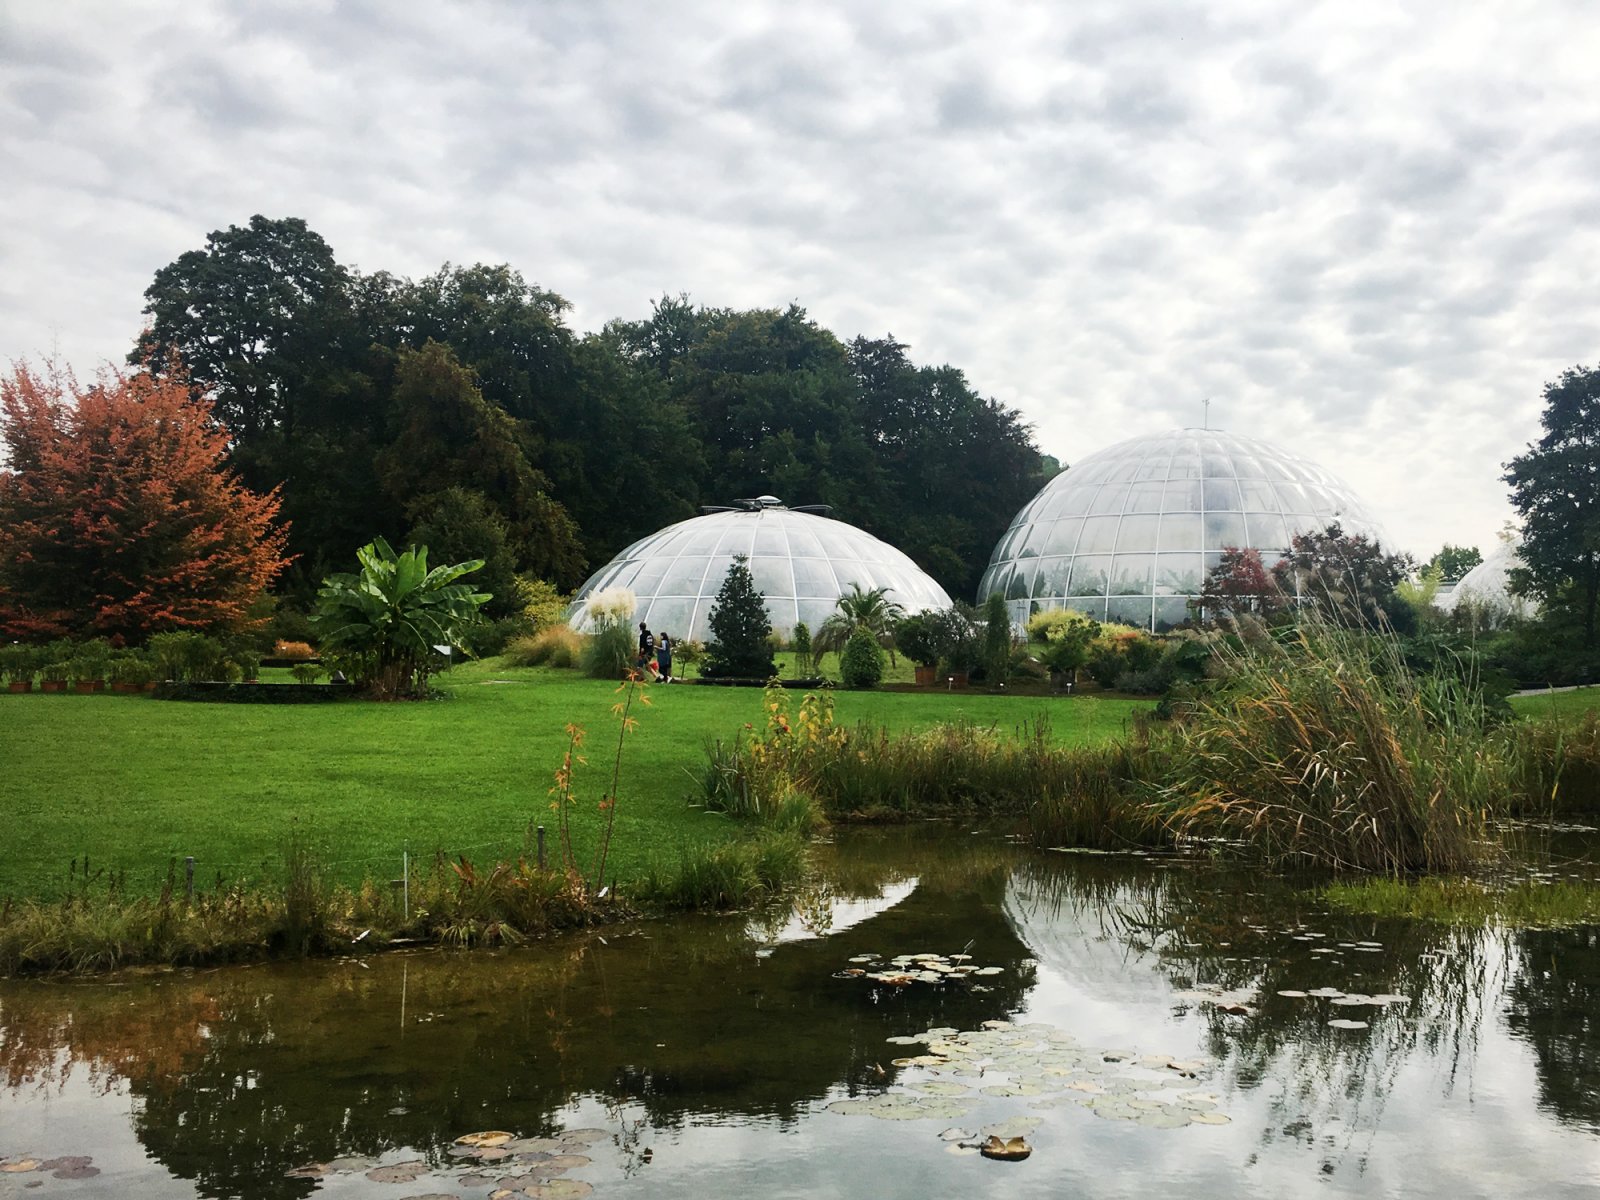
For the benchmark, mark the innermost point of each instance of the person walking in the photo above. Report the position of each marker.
(664, 657)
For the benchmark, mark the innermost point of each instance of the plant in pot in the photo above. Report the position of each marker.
(54, 676)
(91, 664)
(131, 673)
(918, 638)
(18, 665)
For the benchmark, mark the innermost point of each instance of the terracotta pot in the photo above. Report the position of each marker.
(88, 687)
(927, 676)
(148, 687)
(53, 685)
(19, 686)
(957, 679)
(127, 689)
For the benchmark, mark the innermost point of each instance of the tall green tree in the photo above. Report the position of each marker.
(1452, 562)
(448, 436)
(1555, 488)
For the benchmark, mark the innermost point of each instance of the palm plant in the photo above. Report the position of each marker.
(390, 616)
(871, 610)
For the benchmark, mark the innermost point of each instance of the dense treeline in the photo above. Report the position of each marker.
(462, 405)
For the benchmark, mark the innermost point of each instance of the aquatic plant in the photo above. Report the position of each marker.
(1321, 748)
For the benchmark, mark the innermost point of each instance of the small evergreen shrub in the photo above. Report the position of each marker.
(740, 628)
(803, 664)
(861, 664)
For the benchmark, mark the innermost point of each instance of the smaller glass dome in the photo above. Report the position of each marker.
(802, 563)
(1488, 585)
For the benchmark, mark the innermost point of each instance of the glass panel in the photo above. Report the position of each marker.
(1121, 471)
(736, 539)
(1217, 466)
(770, 538)
(1138, 534)
(814, 577)
(649, 576)
(1169, 613)
(716, 572)
(669, 616)
(1221, 495)
(1099, 533)
(1128, 611)
(772, 576)
(803, 542)
(1130, 574)
(1051, 579)
(1155, 468)
(1267, 531)
(1224, 529)
(1109, 499)
(852, 571)
(1180, 531)
(1089, 573)
(1185, 466)
(683, 577)
(1145, 498)
(814, 612)
(1258, 495)
(1291, 498)
(702, 540)
(1182, 495)
(625, 574)
(1039, 537)
(1021, 584)
(1248, 467)
(1179, 574)
(1065, 538)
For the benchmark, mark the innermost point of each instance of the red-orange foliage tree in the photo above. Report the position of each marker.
(117, 517)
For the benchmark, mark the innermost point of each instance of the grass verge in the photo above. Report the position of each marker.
(1523, 905)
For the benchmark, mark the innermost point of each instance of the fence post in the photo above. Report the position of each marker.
(188, 879)
(539, 833)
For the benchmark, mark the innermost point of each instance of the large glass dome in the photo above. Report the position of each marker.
(1128, 533)
(801, 562)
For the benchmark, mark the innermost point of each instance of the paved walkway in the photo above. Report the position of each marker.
(1545, 691)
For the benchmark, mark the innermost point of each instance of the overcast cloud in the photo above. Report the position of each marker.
(1369, 232)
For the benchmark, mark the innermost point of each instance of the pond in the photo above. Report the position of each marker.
(1149, 1025)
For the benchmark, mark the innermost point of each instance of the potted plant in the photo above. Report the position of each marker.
(918, 637)
(54, 676)
(131, 673)
(18, 664)
(960, 644)
(90, 665)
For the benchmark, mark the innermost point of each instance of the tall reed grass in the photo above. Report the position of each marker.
(553, 646)
(1321, 748)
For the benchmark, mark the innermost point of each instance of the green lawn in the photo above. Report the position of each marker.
(131, 782)
(1557, 704)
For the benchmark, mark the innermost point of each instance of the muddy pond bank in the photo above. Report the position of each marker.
(1141, 1024)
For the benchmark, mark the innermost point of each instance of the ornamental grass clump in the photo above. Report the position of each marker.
(610, 651)
(1322, 749)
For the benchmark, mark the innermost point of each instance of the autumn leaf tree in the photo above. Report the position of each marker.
(1239, 583)
(117, 516)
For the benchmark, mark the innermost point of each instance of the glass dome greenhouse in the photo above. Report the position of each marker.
(1488, 585)
(801, 562)
(1128, 533)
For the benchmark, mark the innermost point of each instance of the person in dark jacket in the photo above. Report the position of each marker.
(664, 657)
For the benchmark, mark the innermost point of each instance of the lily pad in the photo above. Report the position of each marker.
(487, 1139)
(1211, 1118)
(1329, 992)
(1342, 1023)
(1013, 1127)
(905, 1041)
(1292, 994)
(584, 1135)
(937, 1087)
(954, 1134)
(565, 1162)
(1005, 1149)
(17, 1166)
(1167, 1118)
(559, 1189)
(405, 1172)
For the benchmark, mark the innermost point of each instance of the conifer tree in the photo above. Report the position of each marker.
(740, 627)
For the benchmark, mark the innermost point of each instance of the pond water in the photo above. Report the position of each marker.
(1136, 1033)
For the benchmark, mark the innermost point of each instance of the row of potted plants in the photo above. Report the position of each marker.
(93, 665)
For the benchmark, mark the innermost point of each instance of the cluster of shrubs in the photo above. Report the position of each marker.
(91, 663)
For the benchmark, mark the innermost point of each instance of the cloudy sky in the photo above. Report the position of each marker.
(1368, 231)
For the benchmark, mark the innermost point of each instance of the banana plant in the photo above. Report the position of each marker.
(388, 617)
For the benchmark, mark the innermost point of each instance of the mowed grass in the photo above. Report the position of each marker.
(1557, 704)
(130, 783)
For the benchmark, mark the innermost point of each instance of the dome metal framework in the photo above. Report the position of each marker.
(1129, 533)
(801, 562)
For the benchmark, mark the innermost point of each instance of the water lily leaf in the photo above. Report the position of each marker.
(486, 1140)
(565, 1162)
(317, 1171)
(433, 1196)
(954, 1134)
(1012, 1089)
(476, 1180)
(534, 1145)
(905, 1041)
(937, 1087)
(989, 971)
(1013, 1127)
(351, 1162)
(20, 1165)
(1292, 994)
(1390, 998)
(405, 1172)
(1343, 1023)
(1167, 1118)
(1351, 1000)
(1005, 1149)
(850, 1108)
(1326, 991)
(559, 1189)
(861, 958)
(1211, 1118)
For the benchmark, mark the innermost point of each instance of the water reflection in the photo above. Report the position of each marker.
(236, 1076)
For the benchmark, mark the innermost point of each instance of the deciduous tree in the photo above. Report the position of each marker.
(117, 514)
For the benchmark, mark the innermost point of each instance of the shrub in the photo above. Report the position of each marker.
(996, 639)
(861, 664)
(297, 650)
(553, 646)
(803, 663)
(306, 672)
(918, 638)
(187, 657)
